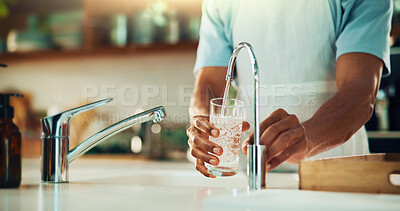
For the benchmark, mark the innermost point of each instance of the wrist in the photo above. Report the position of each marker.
(312, 142)
(196, 109)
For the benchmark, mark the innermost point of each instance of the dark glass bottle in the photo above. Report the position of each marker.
(10, 146)
(10, 154)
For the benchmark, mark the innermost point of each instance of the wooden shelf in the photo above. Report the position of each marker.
(99, 51)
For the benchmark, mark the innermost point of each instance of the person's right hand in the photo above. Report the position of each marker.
(201, 148)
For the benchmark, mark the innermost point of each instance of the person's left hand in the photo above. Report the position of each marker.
(285, 138)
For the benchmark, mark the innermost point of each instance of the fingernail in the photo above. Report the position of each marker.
(213, 176)
(217, 151)
(214, 132)
(268, 166)
(214, 162)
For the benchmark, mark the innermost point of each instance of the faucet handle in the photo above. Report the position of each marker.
(58, 125)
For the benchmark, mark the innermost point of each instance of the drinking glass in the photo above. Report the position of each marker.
(228, 119)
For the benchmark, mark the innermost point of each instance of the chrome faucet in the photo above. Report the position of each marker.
(256, 169)
(55, 138)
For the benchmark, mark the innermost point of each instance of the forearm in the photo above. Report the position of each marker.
(209, 83)
(358, 77)
(338, 119)
(199, 103)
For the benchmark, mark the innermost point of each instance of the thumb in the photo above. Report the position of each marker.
(249, 140)
(245, 145)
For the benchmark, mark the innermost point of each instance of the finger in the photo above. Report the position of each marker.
(228, 174)
(201, 140)
(286, 154)
(205, 126)
(200, 167)
(203, 170)
(275, 116)
(245, 126)
(246, 143)
(273, 131)
(283, 141)
(190, 143)
(204, 156)
(188, 133)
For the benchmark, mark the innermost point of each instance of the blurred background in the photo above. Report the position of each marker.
(66, 53)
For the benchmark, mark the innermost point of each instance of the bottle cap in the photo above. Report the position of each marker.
(7, 111)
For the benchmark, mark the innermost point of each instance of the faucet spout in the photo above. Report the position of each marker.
(256, 83)
(56, 156)
(156, 115)
(256, 152)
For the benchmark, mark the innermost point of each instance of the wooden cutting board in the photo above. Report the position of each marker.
(375, 173)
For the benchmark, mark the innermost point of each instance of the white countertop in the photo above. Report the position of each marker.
(126, 184)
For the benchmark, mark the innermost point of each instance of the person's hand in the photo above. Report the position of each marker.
(285, 138)
(201, 148)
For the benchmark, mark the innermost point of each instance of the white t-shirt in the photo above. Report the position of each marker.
(296, 45)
